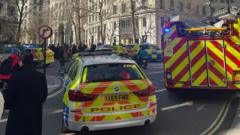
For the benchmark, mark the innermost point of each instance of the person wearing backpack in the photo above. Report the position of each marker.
(9, 66)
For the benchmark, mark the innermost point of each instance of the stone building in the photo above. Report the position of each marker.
(8, 21)
(67, 18)
(35, 14)
(149, 15)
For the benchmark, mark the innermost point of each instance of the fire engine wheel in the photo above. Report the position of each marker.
(172, 90)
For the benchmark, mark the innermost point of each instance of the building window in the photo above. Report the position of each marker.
(114, 10)
(1, 7)
(162, 4)
(114, 25)
(171, 4)
(11, 11)
(197, 9)
(180, 4)
(222, 1)
(144, 22)
(204, 10)
(123, 8)
(144, 2)
(189, 6)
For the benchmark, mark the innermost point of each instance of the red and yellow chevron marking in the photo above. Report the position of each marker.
(198, 63)
(152, 110)
(216, 63)
(100, 106)
(212, 62)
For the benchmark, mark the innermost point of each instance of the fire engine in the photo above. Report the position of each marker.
(200, 55)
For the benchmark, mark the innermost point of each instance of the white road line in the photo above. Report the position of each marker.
(190, 103)
(3, 120)
(55, 94)
(52, 86)
(57, 111)
(160, 90)
(151, 73)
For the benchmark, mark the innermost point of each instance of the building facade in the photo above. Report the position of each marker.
(149, 16)
(67, 18)
(8, 21)
(35, 14)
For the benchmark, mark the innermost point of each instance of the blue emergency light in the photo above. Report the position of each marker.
(166, 30)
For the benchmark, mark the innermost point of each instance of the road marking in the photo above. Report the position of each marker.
(57, 111)
(52, 86)
(3, 120)
(219, 120)
(152, 73)
(160, 90)
(190, 103)
(201, 108)
(55, 93)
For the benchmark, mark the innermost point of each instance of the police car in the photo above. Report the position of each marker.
(106, 92)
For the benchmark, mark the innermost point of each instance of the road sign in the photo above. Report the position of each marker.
(45, 32)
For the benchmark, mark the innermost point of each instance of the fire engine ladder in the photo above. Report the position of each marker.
(211, 79)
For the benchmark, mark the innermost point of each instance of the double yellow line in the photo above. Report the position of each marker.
(219, 120)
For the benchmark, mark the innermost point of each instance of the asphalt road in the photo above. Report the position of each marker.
(183, 112)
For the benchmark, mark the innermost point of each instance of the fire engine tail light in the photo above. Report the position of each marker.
(78, 96)
(236, 76)
(150, 91)
(168, 75)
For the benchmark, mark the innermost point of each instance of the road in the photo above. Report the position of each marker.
(185, 112)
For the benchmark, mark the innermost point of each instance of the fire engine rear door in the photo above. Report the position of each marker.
(207, 63)
(216, 63)
(198, 63)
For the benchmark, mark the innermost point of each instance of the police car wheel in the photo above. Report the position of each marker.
(63, 128)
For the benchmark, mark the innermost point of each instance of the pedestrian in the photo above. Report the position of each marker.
(25, 95)
(8, 67)
(1, 105)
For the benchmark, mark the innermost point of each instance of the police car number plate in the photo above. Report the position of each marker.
(111, 98)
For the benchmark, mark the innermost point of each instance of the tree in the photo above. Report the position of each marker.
(21, 4)
(103, 12)
(133, 11)
(77, 11)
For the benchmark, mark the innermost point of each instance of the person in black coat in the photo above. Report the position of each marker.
(25, 95)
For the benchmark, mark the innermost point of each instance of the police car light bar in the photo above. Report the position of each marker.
(96, 53)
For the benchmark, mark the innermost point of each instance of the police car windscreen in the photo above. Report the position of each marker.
(112, 72)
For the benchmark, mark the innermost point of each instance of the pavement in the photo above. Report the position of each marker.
(54, 83)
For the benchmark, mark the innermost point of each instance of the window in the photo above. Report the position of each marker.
(1, 7)
(73, 71)
(123, 8)
(222, 1)
(180, 4)
(144, 2)
(114, 10)
(189, 6)
(11, 11)
(114, 25)
(112, 72)
(162, 4)
(144, 22)
(204, 10)
(197, 10)
(171, 4)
